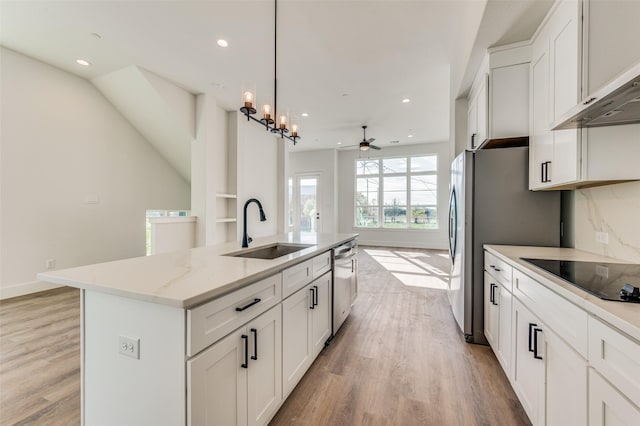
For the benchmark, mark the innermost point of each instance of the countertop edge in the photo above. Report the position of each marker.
(589, 303)
(205, 296)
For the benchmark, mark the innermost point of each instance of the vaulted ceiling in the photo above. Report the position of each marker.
(344, 63)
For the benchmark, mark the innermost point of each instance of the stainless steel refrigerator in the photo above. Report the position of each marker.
(490, 203)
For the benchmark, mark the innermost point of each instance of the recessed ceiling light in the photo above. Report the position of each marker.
(83, 62)
(305, 114)
(339, 143)
(222, 43)
(406, 100)
(410, 136)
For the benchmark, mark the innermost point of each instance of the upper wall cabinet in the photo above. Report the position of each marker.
(499, 97)
(570, 53)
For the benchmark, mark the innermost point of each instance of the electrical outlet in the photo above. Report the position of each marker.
(602, 237)
(602, 271)
(50, 263)
(129, 347)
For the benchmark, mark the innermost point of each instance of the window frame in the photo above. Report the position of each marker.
(408, 175)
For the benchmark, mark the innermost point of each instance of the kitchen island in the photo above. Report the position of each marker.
(198, 336)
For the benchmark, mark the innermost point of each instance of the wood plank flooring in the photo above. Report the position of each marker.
(40, 359)
(399, 359)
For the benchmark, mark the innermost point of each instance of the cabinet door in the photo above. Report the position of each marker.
(566, 383)
(607, 406)
(503, 350)
(296, 346)
(509, 101)
(491, 288)
(482, 108)
(472, 124)
(528, 377)
(541, 139)
(217, 383)
(265, 366)
(321, 313)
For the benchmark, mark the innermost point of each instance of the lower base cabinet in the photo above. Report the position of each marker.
(607, 406)
(306, 319)
(550, 378)
(238, 380)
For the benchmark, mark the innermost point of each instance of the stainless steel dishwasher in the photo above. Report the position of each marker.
(345, 281)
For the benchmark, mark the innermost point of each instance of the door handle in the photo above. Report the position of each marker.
(491, 293)
(531, 325)
(246, 351)
(535, 343)
(312, 299)
(352, 266)
(315, 295)
(255, 344)
(248, 305)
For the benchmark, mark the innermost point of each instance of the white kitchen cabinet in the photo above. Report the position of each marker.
(607, 406)
(477, 114)
(504, 347)
(565, 383)
(498, 102)
(306, 320)
(529, 369)
(491, 310)
(238, 381)
(574, 46)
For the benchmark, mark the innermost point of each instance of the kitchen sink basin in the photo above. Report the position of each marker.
(272, 251)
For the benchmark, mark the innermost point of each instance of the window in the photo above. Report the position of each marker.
(399, 192)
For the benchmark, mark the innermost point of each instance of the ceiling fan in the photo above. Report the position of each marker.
(366, 143)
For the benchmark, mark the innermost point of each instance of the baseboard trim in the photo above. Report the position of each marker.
(365, 242)
(23, 289)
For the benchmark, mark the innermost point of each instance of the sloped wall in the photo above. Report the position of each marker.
(64, 148)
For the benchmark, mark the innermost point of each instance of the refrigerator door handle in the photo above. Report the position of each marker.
(453, 224)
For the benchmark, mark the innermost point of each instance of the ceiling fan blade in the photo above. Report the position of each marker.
(374, 147)
(371, 140)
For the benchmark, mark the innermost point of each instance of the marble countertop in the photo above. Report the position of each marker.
(623, 316)
(187, 278)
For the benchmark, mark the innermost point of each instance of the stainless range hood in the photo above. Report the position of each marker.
(616, 103)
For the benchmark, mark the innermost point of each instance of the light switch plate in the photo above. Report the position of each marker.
(129, 346)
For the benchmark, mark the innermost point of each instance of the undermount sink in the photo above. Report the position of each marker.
(271, 251)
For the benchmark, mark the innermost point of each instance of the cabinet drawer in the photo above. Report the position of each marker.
(563, 317)
(499, 269)
(321, 264)
(210, 322)
(607, 406)
(296, 277)
(616, 357)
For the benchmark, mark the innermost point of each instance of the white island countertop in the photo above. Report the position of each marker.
(187, 278)
(624, 316)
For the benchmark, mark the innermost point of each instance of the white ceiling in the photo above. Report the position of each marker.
(345, 63)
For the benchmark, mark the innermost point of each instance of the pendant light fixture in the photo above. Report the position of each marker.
(270, 119)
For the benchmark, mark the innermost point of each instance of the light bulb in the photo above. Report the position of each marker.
(248, 99)
(294, 130)
(283, 122)
(266, 111)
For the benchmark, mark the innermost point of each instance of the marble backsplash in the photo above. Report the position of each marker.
(614, 209)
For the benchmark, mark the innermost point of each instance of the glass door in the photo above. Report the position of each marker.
(307, 216)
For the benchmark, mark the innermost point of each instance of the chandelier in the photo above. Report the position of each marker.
(268, 115)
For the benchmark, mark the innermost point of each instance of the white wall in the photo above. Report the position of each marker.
(436, 239)
(257, 176)
(63, 142)
(325, 164)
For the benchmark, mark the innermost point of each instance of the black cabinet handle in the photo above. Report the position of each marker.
(315, 295)
(493, 294)
(255, 344)
(313, 298)
(547, 171)
(246, 351)
(473, 140)
(588, 101)
(247, 306)
(352, 265)
(542, 173)
(535, 343)
(531, 325)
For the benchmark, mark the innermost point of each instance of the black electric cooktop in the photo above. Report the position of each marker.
(604, 280)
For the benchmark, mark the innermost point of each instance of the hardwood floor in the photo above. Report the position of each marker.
(399, 359)
(40, 359)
